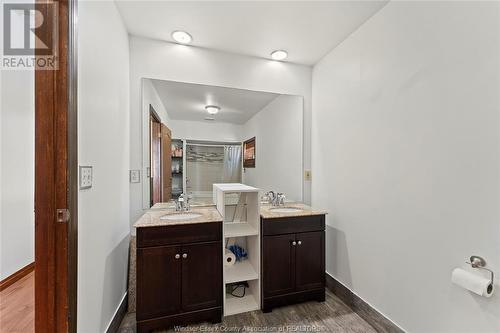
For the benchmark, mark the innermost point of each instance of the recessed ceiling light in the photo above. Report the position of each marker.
(279, 55)
(182, 37)
(212, 109)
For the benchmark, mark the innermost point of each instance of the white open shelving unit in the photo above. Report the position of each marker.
(240, 229)
(239, 206)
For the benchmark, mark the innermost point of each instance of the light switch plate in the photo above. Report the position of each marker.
(85, 177)
(307, 175)
(135, 176)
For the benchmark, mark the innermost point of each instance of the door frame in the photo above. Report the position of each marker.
(166, 166)
(153, 118)
(56, 179)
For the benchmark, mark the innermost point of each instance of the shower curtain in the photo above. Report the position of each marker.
(231, 170)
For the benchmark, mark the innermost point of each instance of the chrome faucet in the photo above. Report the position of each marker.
(270, 196)
(280, 199)
(182, 204)
(275, 199)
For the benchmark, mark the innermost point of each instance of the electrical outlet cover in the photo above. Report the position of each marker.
(85, 177)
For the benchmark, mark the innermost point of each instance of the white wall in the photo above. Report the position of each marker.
(166, 61)
(278, 131)
(103, 125)
(406, 160)
(17, 160)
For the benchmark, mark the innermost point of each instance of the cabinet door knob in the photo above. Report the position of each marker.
(177, 256)
(299, 242)
(294, 243)
(185, 255)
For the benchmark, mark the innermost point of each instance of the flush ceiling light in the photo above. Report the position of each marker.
(182, 37)
(212, 109)
(279, 55)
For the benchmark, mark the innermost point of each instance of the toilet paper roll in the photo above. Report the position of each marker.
(229, 258)
(473, 282)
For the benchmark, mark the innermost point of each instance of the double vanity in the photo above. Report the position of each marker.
(181, 277)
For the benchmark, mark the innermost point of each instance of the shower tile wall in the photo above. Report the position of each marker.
(204, 167)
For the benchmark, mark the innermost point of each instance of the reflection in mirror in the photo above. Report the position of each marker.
(194, 136)
(208, 164)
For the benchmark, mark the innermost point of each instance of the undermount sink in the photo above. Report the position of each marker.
(285, 209)
(180, 216)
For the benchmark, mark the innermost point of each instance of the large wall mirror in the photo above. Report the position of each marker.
(194, 136)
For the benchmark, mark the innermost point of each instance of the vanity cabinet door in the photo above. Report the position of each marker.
(201, 276)
(158, 281)
(278, 269)
(310, 261)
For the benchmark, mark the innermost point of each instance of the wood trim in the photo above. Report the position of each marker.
(55, 178)
(120, 313)
(155, 139)
(45, 188)
(16, 276)
(154, 130)
(376, 319)
(166, 163)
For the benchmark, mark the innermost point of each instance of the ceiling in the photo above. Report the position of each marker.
(186, 101)
(306, 29)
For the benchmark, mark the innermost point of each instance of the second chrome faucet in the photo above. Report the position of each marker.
(275, 199)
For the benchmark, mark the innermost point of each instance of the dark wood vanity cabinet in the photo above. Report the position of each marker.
(310, 261)
(293, 260)
(158, 282)
(202, 276)
(278, 264)
(179, 275)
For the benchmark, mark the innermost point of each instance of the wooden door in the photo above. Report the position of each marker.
(310, 260)
(201, 276)
(278, 264)
(158, 281)
(155, 140)
(166, 163)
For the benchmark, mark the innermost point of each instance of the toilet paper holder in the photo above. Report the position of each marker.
(479, 263)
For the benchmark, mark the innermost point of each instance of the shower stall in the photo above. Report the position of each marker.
(208, 163)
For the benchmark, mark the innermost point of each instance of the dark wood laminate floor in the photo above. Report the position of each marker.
(329, 316)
